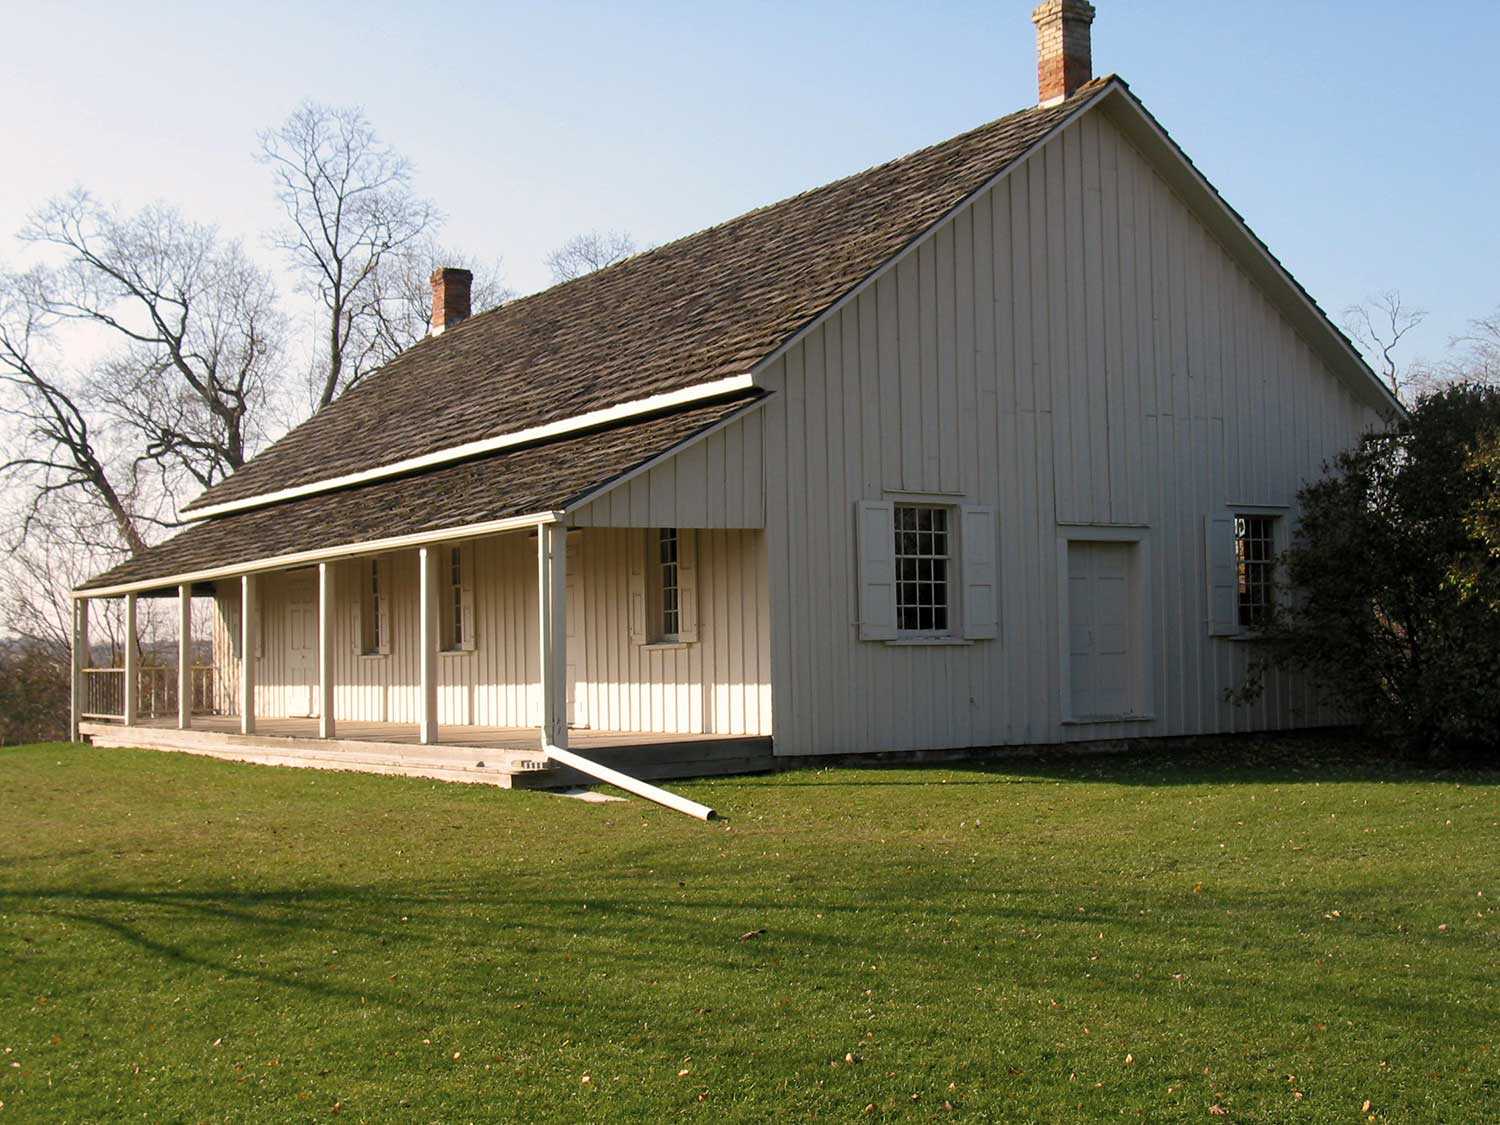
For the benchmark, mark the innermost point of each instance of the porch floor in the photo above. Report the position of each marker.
(511, 756)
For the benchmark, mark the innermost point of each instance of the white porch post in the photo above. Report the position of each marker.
(325, 650)
(132, 663)
(80, 662)
(552, 589)
(248, 594)
(428, 633)
(184, 656)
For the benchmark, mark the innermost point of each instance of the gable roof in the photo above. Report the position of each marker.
(694, 311)
(523, 411)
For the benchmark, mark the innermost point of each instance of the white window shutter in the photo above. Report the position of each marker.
(466, 593)
(357, 608)
(687, 584)
(876, 520)
(1218, 551)
(635, 548)
(977, 540)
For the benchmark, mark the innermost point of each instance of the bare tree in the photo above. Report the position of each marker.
(58, 553)
(403, 291)
(588, 252)
(350, 209)
(198, 333)
(1378, 325)
(54, 445)
(1478, 358)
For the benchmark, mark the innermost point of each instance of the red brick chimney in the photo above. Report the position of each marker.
(450, 297)
(1064, 59)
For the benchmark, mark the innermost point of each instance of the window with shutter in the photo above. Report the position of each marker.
(372, 635)
(456, 598)
(923, 545)
(1255, 568)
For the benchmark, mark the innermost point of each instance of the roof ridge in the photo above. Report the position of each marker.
(1083, 92)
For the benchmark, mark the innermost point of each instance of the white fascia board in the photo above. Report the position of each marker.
(605, 416)
(324, 554)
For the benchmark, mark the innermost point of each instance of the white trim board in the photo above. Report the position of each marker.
(699, 392)
(324, 554)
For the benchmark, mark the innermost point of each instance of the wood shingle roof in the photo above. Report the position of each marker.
(515, 482)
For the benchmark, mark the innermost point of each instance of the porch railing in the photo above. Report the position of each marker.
(103, 693)
(156, 692)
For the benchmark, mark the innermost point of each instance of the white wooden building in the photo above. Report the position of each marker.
(991, 445)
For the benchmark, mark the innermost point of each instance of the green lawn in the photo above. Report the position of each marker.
(1244, 928)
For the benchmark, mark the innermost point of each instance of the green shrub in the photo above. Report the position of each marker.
(1394, 577)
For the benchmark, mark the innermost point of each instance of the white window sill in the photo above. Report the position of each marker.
(455, 651)
(374, 656)
(1091, 720)
(959, 642)
(1246, 637)
(665, 646)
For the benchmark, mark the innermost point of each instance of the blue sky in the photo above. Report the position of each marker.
(1359, 139)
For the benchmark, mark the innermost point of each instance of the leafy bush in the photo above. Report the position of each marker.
(1394, 575)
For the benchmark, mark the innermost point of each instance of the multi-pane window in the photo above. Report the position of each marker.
(1255, 567)
(923, 563)
(372, 610)
(453, 601)
(669, 603)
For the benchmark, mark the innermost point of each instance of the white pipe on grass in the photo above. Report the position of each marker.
(626, 782)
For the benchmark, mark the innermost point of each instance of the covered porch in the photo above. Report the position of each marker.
(587, 591)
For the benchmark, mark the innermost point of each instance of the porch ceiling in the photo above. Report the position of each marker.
(515, 483)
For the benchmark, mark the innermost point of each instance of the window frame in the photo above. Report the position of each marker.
(456, 621)
(374, 608)
(661, 570)
(1271, 544)
(949, 582)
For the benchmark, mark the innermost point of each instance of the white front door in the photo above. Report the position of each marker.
(301, 643)
(1103, 676)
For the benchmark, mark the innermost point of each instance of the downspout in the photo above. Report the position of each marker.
(628, 783)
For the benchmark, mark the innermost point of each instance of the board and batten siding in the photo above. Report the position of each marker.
(721, 684)
(715, 482)
(1070, 348)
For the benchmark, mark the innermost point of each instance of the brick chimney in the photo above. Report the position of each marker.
(450, 297)
(1064, 59)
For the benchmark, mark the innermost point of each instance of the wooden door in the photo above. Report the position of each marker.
(1102, 641)
(302, 643)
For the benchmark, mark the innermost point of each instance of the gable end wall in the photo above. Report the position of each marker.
(1072, 347)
